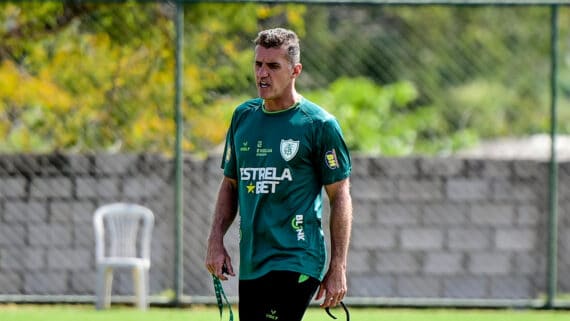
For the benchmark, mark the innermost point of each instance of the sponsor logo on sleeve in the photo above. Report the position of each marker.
(331, 160)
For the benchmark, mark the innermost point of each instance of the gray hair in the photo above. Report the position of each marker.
(281, 38)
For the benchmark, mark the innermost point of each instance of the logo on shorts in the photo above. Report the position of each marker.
(289, 149)
(272, 315)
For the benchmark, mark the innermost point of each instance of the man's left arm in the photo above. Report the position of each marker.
(334, 285)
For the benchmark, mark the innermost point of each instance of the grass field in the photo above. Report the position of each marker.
(12, 312)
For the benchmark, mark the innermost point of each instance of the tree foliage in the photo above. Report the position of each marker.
(83, 76)
(79, 76)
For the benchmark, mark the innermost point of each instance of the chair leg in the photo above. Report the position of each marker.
(100, 288)
(108, 286)
(104, 287)
(140, 278)
(145, 283)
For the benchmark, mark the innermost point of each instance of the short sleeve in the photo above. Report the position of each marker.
(229, 156)
(333, 156)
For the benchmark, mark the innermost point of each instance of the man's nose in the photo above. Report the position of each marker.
(262, 72)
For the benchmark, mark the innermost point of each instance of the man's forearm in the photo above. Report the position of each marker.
(225, 210)
(217, 257)
(340, 226)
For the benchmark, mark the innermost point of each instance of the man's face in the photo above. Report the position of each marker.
(273, 73)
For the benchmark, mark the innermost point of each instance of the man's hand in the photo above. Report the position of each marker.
(218, 262)
(333, 287)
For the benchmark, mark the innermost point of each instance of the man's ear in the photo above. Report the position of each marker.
(297, 70)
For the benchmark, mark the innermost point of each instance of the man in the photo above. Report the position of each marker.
(281, 150)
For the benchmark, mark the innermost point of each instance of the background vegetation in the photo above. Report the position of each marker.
(79, 76)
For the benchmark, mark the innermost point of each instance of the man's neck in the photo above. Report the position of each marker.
(273, 105)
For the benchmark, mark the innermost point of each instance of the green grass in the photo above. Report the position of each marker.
(12, 312)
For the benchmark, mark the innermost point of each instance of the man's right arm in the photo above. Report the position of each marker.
(224, 214)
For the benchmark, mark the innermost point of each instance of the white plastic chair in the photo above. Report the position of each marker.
(122, 240)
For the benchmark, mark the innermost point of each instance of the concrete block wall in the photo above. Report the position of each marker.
(448, 228)
(423, 227)
(46, 208)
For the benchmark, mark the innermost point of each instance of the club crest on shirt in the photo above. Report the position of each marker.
(289, 149)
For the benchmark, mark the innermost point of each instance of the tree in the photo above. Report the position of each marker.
(84, 76)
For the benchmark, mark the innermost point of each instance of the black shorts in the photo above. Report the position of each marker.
(276, 296)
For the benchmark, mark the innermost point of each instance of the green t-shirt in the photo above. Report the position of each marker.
(281, 160)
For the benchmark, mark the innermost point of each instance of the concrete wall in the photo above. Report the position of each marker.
(423, 227)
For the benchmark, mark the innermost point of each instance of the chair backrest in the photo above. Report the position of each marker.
(124, 226)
